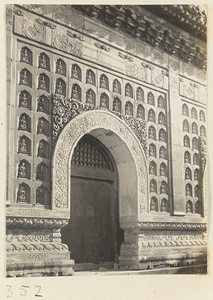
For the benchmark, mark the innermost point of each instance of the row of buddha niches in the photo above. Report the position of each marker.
(33, 133)
(130, 99)
(194, 130)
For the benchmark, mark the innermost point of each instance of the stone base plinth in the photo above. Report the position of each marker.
(149, 249)
(39, 268)
(34, 248)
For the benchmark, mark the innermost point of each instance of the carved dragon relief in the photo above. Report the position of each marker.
(66, 109)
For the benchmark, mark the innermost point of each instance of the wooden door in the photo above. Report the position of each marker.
(91, 232)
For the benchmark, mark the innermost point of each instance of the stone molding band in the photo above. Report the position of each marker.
(164, 226)
(36, 222)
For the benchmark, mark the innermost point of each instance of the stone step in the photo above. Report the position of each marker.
(198, 269)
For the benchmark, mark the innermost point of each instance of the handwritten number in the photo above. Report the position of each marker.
(23, 289)
(9, 290)
(39, 289)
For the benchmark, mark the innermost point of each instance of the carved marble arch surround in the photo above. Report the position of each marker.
(126, 151)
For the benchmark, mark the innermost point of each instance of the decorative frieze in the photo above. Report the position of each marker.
(165, 226)
(20, 247)
(31, 235)
(21, 222)
(66, 43)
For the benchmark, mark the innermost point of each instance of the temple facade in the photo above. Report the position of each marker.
(106, 132)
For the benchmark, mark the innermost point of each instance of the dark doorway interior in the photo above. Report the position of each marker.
(93, 234)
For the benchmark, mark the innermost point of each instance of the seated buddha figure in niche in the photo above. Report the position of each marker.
(103, 101)
(89, 77)
(42, 83)
(163, 188)
(116, 105)
(187, 174)
(41, 149)
(41, 126)
(188, 190)
(23, 146)
(151, 150)
(116, 87)
(43, 61)
(152, 187)
(90, 97)
(188, 208)
(59, 67)
(24, 78)
(103, 82)
(128, 91)
(153, 205)
(22, 171)
(59, 87)
(23, 123)
(24, 56)
(139, 95)
(164, 205)
(22, 194)
(75, 72)
(23, 101)
(128, 109)
(75, 93)
(41, 104)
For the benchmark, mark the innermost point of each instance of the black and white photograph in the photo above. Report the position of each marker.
(106, 154)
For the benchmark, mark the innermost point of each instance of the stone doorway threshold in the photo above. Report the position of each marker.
(198, 269)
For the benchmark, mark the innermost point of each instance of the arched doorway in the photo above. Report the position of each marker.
(93, 234)
(129, 157)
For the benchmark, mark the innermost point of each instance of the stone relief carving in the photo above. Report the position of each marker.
(33, 30)
(157, 58)
(9, 15)
(67, 43)
(39, 9)
(30, 235)
(67, 15)
(157, 78)
(65, 109)
(135, 48)
(67, 140)
(20, 247)
(136, 71)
